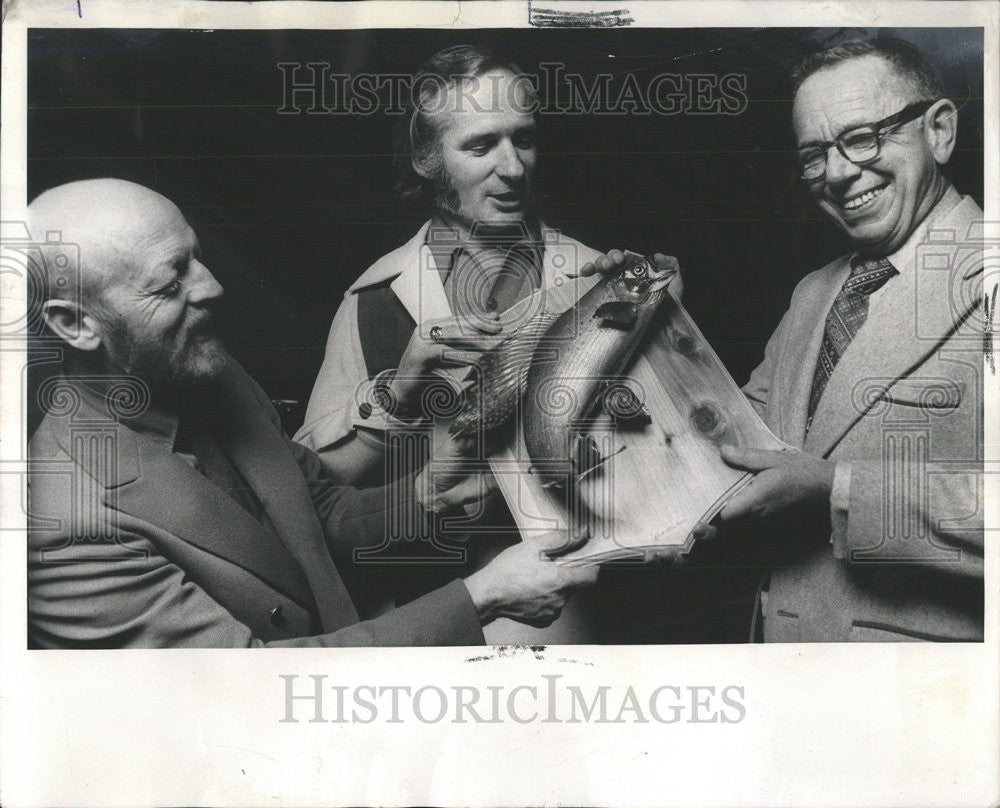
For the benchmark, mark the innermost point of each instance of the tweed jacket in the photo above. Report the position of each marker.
(903, 410)
(130, 546)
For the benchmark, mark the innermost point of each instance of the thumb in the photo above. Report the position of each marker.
(751, 459)
(472, 489)
(561, 541)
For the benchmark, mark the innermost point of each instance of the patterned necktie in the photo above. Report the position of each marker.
(847, 315)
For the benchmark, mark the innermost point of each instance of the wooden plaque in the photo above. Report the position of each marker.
(663, 477)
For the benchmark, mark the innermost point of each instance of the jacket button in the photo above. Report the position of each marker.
(364, 409)
(276, 616)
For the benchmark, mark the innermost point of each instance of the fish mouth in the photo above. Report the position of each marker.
(662, 281)
(650, 283)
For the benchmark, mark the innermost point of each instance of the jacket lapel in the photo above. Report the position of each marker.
(893, 342)
(169, 493)
(418, 283)
(795, 373)
(261, 454)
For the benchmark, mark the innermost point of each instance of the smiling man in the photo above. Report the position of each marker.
(874, 376)
(874, 372)
(467, 148)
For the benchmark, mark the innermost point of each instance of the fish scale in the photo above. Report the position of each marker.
(578, 350)
(499, 379)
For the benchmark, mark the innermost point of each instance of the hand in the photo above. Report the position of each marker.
(461, 341)
(785, 480)
(615, 260)
(675, 556)
(523, 583)
(457, 479)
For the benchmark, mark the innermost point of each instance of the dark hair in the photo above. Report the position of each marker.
(416, 136)
(905, 58)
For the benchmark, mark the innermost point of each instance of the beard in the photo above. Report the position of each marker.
(194, 356)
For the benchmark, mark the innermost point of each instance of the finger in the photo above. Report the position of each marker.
(737, 508)
(471, 489)
(671, 554)
(614, 260)
(465, 340)
(704, 532)
(456, 357)
(664, 261)
(561, 541)
(749, 500)
(461, 330)
(752, 459)
(487, 323)
(617, 258)
(458, 322)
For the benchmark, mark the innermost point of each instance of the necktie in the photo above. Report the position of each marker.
(847, 315)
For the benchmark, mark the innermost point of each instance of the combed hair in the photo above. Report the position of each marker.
(416, 136)
(905, 58)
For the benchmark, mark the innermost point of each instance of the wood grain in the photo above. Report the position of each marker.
(661, 478)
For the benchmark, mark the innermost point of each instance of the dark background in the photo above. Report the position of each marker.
(291, 209)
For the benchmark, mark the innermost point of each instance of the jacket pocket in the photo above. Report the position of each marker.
(933, 394)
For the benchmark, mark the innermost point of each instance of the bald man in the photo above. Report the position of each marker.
(168, 508)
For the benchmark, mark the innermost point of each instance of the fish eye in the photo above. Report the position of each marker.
(639, 269)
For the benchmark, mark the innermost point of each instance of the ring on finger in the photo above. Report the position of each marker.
(437, 334)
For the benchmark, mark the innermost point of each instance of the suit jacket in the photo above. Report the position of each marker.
(130, 546)
(904, 408)
(334, 410)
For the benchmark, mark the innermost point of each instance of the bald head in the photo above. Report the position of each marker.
(106, 219)
(146, 300)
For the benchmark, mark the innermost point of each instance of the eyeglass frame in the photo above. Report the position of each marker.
(879, 128)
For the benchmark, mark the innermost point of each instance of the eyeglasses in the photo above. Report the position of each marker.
(860, 145)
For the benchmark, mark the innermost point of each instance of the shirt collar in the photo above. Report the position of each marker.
(905, 258)
(447, 237)
(157, 421)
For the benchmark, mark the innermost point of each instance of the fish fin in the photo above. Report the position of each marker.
(585, 473)
(549, 484)
(618, 313)
(498, 378)
(586, 455)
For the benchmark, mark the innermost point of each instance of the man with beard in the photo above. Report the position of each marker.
(469, 148)
(167, 507)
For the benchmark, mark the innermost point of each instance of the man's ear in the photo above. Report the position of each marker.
(942, 129)
(68, 321)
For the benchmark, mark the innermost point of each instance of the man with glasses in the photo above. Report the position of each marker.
(874, 375)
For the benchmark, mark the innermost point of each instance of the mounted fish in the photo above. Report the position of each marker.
(564, 367)
(572, 373)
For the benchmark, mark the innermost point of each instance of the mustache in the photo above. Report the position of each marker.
(207, 322)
